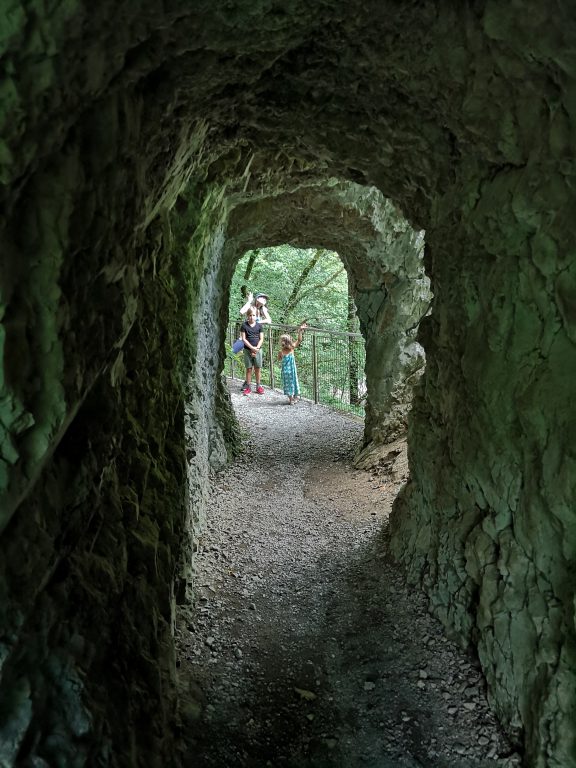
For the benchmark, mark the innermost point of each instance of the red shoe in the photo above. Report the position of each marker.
(260, 389)
(246, 390)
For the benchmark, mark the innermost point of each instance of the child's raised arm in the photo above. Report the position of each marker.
(300, 334)
(248, 304)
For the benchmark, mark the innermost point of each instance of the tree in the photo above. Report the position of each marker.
(353, 363)
(248, 271)
(293, 299)
(291, 276)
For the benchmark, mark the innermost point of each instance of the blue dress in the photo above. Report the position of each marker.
(290, 376)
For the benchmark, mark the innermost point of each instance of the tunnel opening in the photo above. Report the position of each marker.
(302, 286)
(383, 258)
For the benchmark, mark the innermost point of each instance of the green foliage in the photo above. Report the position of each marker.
(304, 284)
(321, 298)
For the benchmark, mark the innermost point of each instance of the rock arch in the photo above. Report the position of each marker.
(383, 258)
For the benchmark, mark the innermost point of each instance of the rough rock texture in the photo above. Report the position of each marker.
(383, 259)
(130, 134)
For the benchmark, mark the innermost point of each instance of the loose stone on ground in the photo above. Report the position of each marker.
(305, 647)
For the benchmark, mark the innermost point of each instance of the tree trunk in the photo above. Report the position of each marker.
(293, 299)
(248, 271)
(353, 362)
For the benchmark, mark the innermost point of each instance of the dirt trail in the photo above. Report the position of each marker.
(305, 648)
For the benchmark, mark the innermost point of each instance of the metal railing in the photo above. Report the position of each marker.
(330, 365)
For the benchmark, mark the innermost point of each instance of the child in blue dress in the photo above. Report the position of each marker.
(289, 372)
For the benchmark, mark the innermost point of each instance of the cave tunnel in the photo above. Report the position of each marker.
(145, 146)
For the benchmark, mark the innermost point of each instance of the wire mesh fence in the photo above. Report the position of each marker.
(330, 365)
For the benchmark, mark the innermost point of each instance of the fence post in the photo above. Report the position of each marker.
(270, 360)
(314, 368)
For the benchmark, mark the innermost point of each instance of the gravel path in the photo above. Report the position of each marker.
(305, 648)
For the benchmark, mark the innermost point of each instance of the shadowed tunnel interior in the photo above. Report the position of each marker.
(144, 147)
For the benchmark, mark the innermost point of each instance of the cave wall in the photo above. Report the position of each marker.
(97, 538)
(489, 513)
(88, 564)
(462, 114)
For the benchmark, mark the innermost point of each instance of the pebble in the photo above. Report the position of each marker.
(334, 611)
